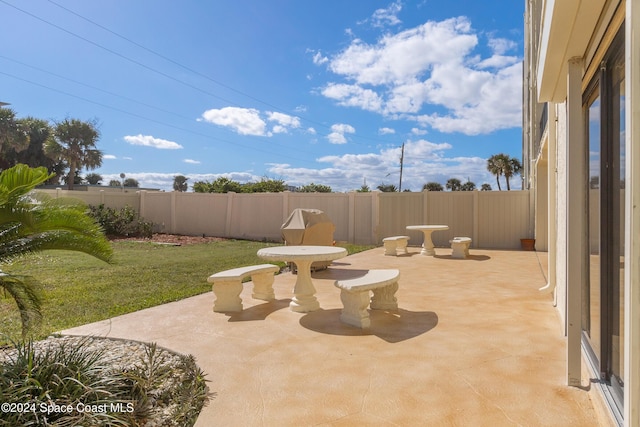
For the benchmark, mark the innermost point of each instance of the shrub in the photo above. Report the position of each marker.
(36, 381)
(125, 222)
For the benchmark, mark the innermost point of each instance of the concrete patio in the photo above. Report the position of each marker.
(474, 343)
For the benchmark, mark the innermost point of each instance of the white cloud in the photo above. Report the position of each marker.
(425, 161)
(284, 120)
(417, 131)
(388, 16)
(150, 141)
(497, 106)
(497, 61)
(245, 121)
(337, 133)
(319, 59)
(501, 46)
(109, 157)
(432, 67)
(386, 131)
(248, 121)
(353, 96)
(400, 58)
(192, 162)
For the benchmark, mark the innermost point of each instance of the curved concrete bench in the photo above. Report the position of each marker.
(394, 244)
(227, 285)
(460, 247)
(354, 294)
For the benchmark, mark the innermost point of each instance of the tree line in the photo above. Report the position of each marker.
(499, 165)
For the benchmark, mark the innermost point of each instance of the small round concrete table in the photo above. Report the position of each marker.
(427, 245)
(304, 299)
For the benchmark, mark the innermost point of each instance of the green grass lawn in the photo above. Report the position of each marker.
(78, 289)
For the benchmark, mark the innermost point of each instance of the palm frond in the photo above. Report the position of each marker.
(24, 292)
(31, 223)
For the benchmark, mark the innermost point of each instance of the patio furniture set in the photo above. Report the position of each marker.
(395, 245)
(354, 293)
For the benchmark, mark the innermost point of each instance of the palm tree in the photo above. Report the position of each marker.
(40, 131)
(468, 186)
(496, 164)
(453, 184)
(512, 167)
(31, 223)
(180, 183)
(75, 144)
(387, 188)
(432, 186)
(131, 182)
(93, 178)
(14, 133)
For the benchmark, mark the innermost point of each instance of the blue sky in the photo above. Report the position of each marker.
(304, 91)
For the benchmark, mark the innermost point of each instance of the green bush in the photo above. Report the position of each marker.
(125, 222)
(56, 384)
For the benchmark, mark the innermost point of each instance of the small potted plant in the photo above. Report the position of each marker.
(528, 244)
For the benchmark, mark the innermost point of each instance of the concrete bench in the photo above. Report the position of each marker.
(460, 247)
(227, 285)
(354, 294)
(395, 244)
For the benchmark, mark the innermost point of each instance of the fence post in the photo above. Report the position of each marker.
(141, 196)
(425, 206)
(351, 232)
(375, 216)
(173, 219)
(227, 226)
(285, 205)
(476, 219)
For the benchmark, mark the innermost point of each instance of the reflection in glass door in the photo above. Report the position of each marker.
(591, 292)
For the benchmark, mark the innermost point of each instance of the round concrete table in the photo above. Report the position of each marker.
(427, 245)
(304, 299)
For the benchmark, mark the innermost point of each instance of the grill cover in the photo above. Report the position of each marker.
(309, 227)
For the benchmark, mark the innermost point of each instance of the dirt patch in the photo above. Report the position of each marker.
(174, 239)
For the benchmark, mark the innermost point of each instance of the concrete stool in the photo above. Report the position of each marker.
(394, 244)
(460, 247)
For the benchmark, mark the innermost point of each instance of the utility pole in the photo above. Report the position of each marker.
(401, 164)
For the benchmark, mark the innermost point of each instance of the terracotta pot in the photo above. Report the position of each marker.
(528, 244)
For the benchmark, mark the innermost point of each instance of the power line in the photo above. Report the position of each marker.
(113, 52)
(185, 67)
(95, 88)
(236, 144)
(191, 70)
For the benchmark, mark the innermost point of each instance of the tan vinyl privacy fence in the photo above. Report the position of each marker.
(493, 219)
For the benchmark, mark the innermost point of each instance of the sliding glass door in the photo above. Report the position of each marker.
(603, 301)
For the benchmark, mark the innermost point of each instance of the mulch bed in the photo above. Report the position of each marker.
(173, 239)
